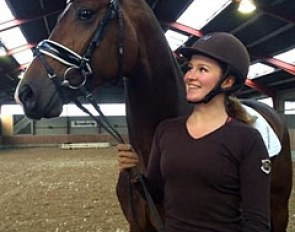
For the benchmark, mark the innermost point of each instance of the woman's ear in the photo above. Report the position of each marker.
(228, 82)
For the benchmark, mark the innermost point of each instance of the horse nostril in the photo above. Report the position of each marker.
(27, 97)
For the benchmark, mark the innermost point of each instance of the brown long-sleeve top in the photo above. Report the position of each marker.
(218, 183)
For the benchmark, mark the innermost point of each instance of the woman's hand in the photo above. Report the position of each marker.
(127, 158)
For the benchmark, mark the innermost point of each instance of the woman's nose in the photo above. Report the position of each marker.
(190, 75)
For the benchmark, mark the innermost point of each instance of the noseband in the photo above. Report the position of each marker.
(67, 57)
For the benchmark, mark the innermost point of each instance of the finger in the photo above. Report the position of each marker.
(127, 160)
(126, 165)
(124, 147)
(127, 154)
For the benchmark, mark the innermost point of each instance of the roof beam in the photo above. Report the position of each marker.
(278, 14)
(260, 88)
(271, 35)
(183, 28)
(287, 67)
(17, 22)
(20, 48)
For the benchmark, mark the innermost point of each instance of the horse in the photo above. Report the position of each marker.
(96, 42)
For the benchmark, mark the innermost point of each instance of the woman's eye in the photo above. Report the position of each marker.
(203, 69)
(85, 14)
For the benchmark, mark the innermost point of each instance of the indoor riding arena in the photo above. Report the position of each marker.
(77, 77)
(62, 183)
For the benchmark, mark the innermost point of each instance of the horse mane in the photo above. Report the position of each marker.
(155, 86)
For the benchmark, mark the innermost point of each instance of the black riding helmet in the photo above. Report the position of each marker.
(228, 51)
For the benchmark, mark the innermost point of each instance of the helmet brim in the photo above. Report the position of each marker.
(188, 52)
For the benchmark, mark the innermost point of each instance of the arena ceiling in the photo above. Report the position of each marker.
(267, 32)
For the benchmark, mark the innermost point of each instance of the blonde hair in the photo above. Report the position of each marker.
(235, 110)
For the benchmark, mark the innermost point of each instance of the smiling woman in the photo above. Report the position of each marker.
(212, 157)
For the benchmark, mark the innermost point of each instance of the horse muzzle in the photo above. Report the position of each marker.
(33, 106)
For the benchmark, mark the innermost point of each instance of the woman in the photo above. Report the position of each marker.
(210, 169)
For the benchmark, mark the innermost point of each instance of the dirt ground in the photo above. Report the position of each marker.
(55, 190)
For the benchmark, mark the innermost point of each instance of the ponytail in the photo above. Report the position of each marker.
(235, 110)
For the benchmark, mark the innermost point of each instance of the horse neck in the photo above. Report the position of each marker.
(155, 91)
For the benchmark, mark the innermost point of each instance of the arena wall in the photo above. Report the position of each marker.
(19, 130)
(33, 140)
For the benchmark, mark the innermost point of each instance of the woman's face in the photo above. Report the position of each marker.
(202, 76)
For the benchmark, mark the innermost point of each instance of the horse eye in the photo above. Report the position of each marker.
(85, 14)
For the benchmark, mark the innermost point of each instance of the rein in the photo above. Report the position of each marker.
(76, 62)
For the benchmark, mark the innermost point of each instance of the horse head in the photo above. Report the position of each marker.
(95, 42)
(91, 39)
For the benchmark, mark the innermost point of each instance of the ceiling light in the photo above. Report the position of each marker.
(246, 6)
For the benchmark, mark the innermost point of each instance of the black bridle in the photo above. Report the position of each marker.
(82, 64)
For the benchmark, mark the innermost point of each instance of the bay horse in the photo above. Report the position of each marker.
(97, 41)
